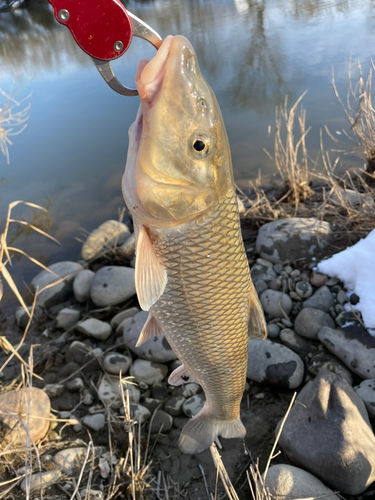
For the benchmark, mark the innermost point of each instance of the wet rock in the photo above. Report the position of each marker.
(298, 344)
(82, 284)
(70, 460)
(95, 328)
(291, 239)
(24, 410)
(54, 390)
(114, 363)
(161, 422)
(274, 364)
(275, 303)
(40, 480)
(329, 434)
(94, 422)
(309, 321)
(156, 349)
(108, 235)
(273, 331)
(325, 361)
(148, 372)
(109, 392)
(122, 315)
(318, 279)
(57, 293)
(193, 405)
(139, 413)
(112, 285)
(366, 391)
(288, 482)
(322, 299)
(174, 405)
(67, 318)
(354, 346)
(304, 289)
(127, 249)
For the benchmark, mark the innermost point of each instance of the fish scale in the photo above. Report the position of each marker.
(206, 298)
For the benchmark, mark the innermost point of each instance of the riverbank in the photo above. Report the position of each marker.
(81, 343)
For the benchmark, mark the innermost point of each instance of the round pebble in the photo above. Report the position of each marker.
(161, 422)
(354, 299)
(148, 372)
(193, 405)
(114, 363)
(304, 289)
(273, 331)
(276, 303)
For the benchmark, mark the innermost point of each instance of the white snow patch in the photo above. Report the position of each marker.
(355, 267)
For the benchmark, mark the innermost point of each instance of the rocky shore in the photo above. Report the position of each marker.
(93, 382)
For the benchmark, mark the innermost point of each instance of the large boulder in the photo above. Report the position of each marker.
(291, 239)
(106, 236)
(328, 433)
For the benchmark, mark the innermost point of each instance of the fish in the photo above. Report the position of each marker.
(191, 269)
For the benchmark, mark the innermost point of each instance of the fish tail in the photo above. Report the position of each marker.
(202, 430)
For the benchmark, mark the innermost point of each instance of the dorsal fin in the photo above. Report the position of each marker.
(150, 330)
(257, 325)
(150, 275)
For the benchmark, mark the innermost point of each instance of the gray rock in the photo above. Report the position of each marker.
(161, 422)
(112, 285)
(22, 318)
(286, 482)
(148, 372)
(67, 318)
(354, 346)
(122, 315)
(350, 197)
(318, 279)
(57, 293)
(296, 343)
(291, 239)
(40, 481)
(264, 273)
(325, 361)
(273, 331)
(304, 289)
(54, 390)
(346, 317)
(193, 405)
(108, 235)
(274, 364)
(127, 249)
(275, 284)
(275, 303)
(151, 404)
(309, 321)
(139, 413)
(366, 391)
(94, 422)
(71, 460)
(260, 286)
(75, 385)
(341, 297)
(156, 349)
(322, 299)
(82, 284)
(187, 390)
(329, 434)
(109, 392)
(174, 405)
(114, 363)
(95, 328)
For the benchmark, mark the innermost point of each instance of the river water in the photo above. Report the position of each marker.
(71, 156)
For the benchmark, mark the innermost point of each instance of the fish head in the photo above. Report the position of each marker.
(179, 162)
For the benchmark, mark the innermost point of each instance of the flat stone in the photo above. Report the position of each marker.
(274, 303)
(106, 236)
(67, 318)
(350, 197)
(193, 405)
(95, 328)
(109, 392)
(146, 371)
(161, 421)
(24, 409)
(298, 344)
(94, 422)
(322, 299)
(82, 284)
(274, 364)
(286, 482)
(291, 239)
(57, 293)
(122, 315)
(70, 460)
(139, 413)
(114, 363)
(309, 321)
(354, 346)
(40, 480)
(329, 434)
(112, 285)
(366, 391)
(156, 349)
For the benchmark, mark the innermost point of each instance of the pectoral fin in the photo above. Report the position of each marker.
(150, 330)
(257, 324)
(181, 375)
(150, 275)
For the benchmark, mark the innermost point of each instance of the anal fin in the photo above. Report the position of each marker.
(181, 375)
(257, 325)
(150, 330)
(150, 275)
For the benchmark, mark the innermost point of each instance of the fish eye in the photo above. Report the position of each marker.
(201, 145)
